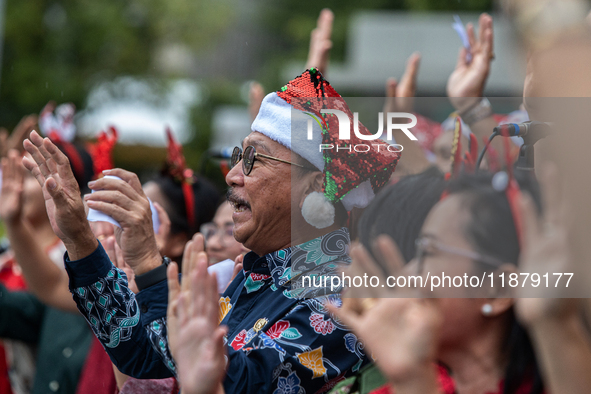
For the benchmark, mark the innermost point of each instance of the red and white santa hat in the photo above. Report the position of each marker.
(350, 176)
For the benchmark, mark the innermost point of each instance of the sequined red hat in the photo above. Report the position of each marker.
(294, 117)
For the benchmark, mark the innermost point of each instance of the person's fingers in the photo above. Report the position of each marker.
(471, 36)
(462, 58)
(256, 95)
(33, 168)
(212, 309)
(128, 177)
(199, 287)
(324, 23)
(487, 50)
(363, 266)
(63, 165)
(182, 310)
(482, 27)
(199, 242)
(174, 287)
(407, 84)
(49, 159)
(56, 191)
(33, 147)
(390, 253)
(391, 84)
(219, 349)
(365, 261)
(218, 339)
(490, 35)
(112, 197)
(390, 102)
(121, 215)
(110, 184)
(187, 264)
(347, 316)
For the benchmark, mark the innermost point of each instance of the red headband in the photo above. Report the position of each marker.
(177, 168)
(102, 151)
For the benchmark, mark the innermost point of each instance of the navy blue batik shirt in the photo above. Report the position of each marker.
(281, 338)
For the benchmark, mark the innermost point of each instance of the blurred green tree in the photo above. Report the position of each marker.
(57, 49)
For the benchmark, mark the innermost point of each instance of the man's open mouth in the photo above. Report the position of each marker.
(239, 207)
(238, 203)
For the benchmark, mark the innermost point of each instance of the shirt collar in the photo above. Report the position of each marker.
(285, 264)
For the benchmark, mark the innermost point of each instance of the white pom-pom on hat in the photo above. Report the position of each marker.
(318, 211)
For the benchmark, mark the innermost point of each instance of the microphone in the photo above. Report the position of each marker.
(525, 128)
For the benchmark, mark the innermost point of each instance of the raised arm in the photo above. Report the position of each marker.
(101, 291)
(45, 279)
(465, 86)
(64, 206)
(320, 41)
(399, 98)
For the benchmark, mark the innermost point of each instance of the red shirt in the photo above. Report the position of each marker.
(448, 386)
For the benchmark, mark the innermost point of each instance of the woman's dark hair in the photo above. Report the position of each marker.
(491, 231)
(206, 199)
(400, 211)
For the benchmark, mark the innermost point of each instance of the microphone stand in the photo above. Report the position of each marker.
(525, 160)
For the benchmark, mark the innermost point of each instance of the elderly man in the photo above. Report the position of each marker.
(290, 203)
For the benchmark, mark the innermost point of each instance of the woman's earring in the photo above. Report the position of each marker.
(487, 309)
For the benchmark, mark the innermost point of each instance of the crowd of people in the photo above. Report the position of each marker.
(109, 285)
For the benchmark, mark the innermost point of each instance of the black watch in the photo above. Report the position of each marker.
(154, 276)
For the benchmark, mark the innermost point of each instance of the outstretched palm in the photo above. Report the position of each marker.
(469, 78)
(64, 206)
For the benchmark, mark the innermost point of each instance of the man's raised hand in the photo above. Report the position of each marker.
(124, 200)
(64, 206)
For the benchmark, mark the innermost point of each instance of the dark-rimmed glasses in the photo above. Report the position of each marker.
(250, 155)
(426, 246)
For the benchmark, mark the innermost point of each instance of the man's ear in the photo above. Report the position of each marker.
(313, 182)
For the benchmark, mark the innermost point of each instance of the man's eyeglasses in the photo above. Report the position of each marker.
(250, 155)
(427, 246)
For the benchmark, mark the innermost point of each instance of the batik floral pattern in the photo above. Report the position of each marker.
(281, 338)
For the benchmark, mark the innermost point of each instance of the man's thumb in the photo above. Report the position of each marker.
(54, 190)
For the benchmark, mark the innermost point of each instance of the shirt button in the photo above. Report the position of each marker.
(54, 386)
(67, 352)
(144, 308)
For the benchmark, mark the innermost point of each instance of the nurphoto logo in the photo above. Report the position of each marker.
(345, 131)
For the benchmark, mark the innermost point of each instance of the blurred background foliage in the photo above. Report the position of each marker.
(59, 49)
